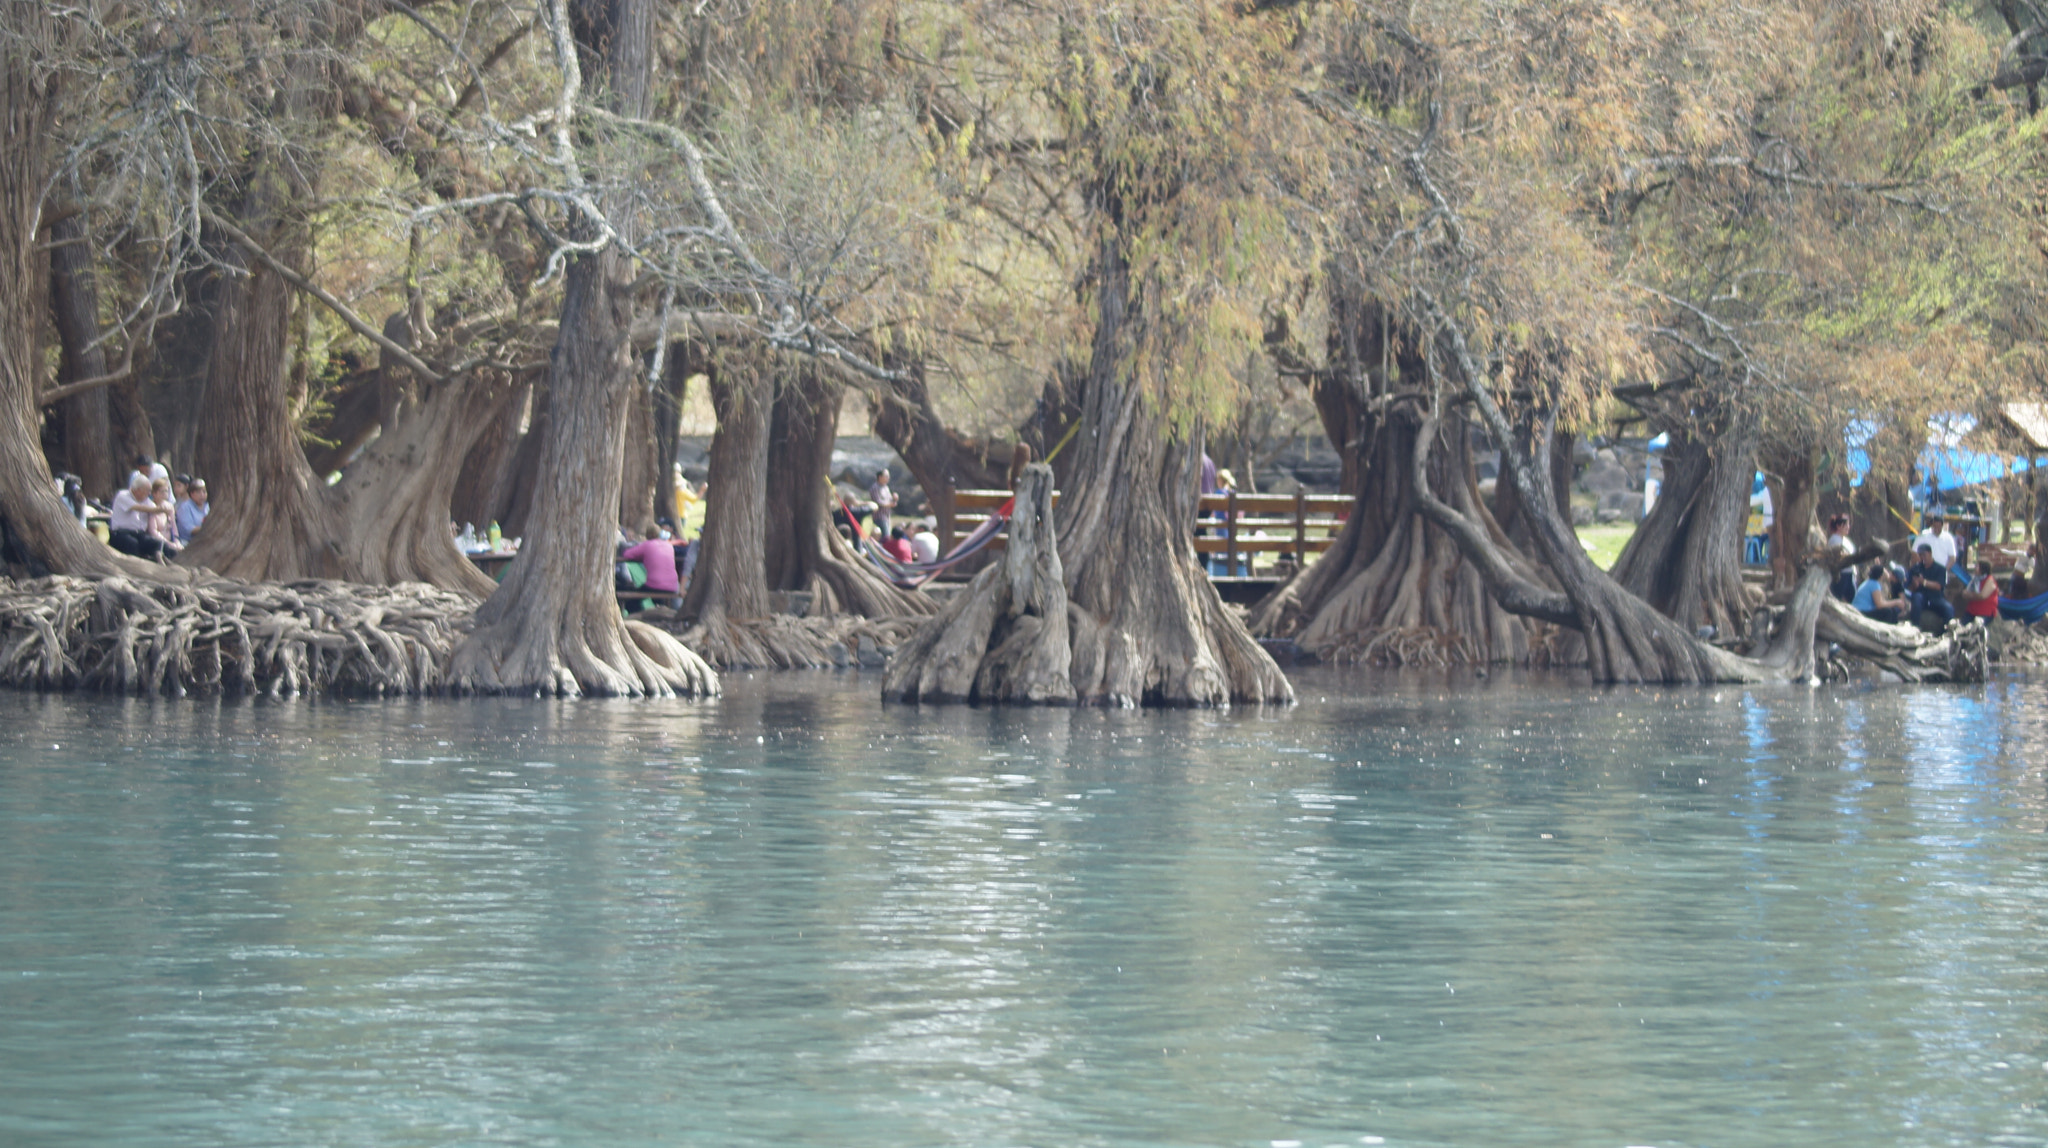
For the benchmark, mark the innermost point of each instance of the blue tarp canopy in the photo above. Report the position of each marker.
(1944, 462)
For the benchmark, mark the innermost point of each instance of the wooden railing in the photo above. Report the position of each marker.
(1232, 525)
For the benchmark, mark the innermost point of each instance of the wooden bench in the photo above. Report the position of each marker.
(1298, 524)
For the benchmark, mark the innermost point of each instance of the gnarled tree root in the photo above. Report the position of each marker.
(1957, 655)
(786, 642)
(122, 635)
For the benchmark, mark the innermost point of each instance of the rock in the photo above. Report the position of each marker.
(1582, 515)
(872, 656)
(1608, 517)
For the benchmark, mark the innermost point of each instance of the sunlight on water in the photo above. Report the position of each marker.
(1406, 912)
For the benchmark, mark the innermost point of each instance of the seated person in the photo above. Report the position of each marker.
(924, 544)
(160, 526)
(1875, 598)
(1980, 599)
(898, 545)
(658, 556)
(192, 511)
(128, 528)
(1927, 585)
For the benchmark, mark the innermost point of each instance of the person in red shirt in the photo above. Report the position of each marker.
(1980, 600)
(898, 545)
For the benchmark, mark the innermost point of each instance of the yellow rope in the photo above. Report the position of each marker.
(1063, 442)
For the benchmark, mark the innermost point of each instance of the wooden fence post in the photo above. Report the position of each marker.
(1300, 529)
(1230, 535)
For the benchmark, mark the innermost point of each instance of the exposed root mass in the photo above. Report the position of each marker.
(786, 642)
(128, 636)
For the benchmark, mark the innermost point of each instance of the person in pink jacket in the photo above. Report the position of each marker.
(658, 555)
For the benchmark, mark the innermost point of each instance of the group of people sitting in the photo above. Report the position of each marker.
(1921, 590)
(153, 516)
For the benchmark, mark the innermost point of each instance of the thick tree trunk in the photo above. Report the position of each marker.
(802, 551)
(1685, 559)
(74, 302)
(392, 508)
(36, 526)
(1144, 623)
(1795, 501)
(271, 520)
(1006, 639)
(644, 475)
(483, 490)
(554, 626)
(1392, 589)
(729, 586)
(525, 466)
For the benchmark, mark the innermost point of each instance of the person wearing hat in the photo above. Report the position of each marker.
(191, 510)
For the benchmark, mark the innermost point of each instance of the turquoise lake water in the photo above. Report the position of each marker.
(1406, 912)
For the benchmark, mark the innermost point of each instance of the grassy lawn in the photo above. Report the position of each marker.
(1603, 543)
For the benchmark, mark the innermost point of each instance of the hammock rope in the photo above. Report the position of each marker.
(911, 575)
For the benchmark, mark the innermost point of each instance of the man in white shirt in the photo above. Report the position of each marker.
(884, 500)
(1938, 540)
(924, 545)
(128, 526)
(149, 468)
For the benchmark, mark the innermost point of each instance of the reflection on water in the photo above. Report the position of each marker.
(1406, 912)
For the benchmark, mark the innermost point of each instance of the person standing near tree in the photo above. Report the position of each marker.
(884, 500)
(148, 469)
(1938, 541)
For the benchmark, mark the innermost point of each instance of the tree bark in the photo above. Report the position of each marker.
(483, 490)
(554, 626)
(644, 475)
(1685, 559)
(801, 549)
(1795, 502)
(1145, 625)
(1393, 589)
(270, 521)
(37, 527)
(1006, 639)
(730, 584)
(74, 302)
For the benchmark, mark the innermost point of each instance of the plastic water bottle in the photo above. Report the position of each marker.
(496, 536)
